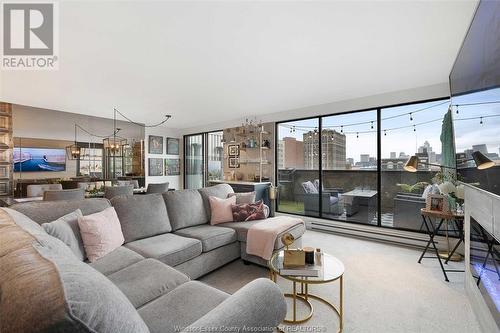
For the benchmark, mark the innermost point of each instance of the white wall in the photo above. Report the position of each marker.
(397, 97)
(174, 181)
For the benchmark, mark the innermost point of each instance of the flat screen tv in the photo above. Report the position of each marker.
(477, 65)
(39, 159)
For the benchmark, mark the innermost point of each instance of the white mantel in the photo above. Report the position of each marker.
(484, 208)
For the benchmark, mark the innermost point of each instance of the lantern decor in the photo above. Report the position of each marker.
(114, 145)
(74, 152)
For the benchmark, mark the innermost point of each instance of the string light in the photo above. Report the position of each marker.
(385, 132)
(341, 129)
(481, 121)
(414, 128)
(357, 135)
(411, 117)
(372, 125)
(457, 109)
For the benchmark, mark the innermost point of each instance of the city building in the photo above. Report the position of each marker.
(291, 152)
(333, 150)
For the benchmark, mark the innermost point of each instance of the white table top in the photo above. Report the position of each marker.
(361, 193)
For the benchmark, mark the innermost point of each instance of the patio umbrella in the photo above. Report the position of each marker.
(448, 158)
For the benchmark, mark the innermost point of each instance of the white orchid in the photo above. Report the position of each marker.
(447, 188)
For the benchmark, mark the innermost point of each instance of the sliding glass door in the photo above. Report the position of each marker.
(349, 167)
(203, 159)
(298, 167)
(194, 161)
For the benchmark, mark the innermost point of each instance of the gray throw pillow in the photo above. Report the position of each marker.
(66, 229)
(243, 197)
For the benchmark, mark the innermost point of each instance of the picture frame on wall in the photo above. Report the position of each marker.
(234, 162)
(155, 144)
(155, 167)
(233, 150)
(172, 146)
(172, 167)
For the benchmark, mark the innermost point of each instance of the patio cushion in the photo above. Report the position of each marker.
(168, 248)
(211, 237)
(147, 280)
(116, 260)
(165, 315)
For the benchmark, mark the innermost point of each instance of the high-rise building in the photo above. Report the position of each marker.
(290, 153)
(364, 158)
(393, 154)
(480, 148)
(333, 150)
(427, 149)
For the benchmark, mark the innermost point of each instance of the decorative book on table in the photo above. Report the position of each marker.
(309, 270)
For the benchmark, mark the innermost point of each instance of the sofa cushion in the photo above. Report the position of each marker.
(243, 197)
(147, 280)
(116, 260)
(63, 293)
(168, 248)
(66, 229)
(220, 191)
(211, 237)
(141, 216)
(165, 315)
(221, 210)
(48, 211)
(101, 233)
(25, 222)
(185, 208)
(241, 229)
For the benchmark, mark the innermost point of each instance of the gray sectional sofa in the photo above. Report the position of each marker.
(168, 242)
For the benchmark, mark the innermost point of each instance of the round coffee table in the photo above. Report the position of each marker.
(332, 270)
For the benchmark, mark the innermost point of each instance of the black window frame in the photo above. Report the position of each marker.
(379, 160)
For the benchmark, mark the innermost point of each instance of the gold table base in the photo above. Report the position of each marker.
(304, 296)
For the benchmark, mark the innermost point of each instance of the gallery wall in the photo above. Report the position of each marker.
(175, 181)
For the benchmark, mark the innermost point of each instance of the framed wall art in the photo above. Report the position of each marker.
(234, 162)
(172, 146)
(155, 166)
(233, 150)
(155, 144)
(172, 167)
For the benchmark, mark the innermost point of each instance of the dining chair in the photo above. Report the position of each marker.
(37, 190)
(157, 188)
(113, 191)
(71, 194)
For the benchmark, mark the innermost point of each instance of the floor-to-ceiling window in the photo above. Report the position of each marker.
(194, 175)
(409, 130)
(298, 167)
(203, 159)
(359, 177)
(349, 167)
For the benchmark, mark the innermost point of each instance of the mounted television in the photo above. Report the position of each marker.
(39, 159)
(475, 97)
(477, 66)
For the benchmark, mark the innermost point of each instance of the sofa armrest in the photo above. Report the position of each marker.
(260, 305)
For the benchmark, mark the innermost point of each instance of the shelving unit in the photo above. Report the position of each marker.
(6, 149)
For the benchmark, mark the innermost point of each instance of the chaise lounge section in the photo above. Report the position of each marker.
(168, 242)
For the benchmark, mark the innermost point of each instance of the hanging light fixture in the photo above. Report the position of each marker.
(74, 151)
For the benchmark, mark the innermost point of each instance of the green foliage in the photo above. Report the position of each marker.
(415, 188)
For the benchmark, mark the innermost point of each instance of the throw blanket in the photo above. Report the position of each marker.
(262, 236)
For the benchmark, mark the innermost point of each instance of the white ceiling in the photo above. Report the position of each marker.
(205, 62)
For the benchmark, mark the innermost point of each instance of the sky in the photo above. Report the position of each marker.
(407, 140)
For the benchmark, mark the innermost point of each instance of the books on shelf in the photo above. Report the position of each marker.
(314, 270)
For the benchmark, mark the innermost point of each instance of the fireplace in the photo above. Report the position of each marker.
(485, 266)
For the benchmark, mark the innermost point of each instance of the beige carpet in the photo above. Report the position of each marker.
(386, 290)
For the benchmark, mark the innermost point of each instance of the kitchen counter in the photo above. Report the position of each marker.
(261, 189)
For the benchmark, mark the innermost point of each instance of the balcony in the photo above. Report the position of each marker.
(352, 196)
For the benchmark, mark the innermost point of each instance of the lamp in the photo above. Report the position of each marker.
(74, 151)
(482, 162)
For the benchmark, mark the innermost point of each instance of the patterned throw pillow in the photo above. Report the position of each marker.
(309, 188)
(248, 212)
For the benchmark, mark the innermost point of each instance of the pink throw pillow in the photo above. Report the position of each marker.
(101, 233)
(248, 212)
(221, 210)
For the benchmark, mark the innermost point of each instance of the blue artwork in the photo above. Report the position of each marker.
(39, 159)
